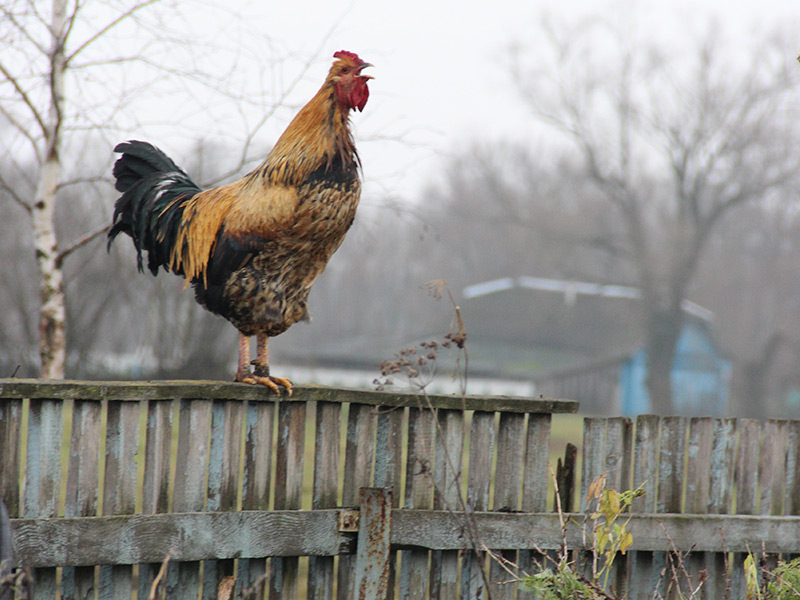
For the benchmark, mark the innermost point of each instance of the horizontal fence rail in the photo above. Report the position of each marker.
(352, 494)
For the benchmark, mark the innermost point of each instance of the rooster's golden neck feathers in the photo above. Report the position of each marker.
(320, 135)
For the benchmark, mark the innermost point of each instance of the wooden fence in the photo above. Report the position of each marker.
(352, 494)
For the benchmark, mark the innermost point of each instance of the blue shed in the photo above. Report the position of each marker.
(700, 376)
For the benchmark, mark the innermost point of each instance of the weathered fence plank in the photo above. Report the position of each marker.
(481, 455)
(642, 577)
(119, 488)
(389, 462)
(414, 573)
(619, 450)
(83, 479)
(670, 494)
(720, 492)
(155, 486)
(508, 479)
(373, 566)
(10, 446)
(535, 480)
(359, 451)
(216, 390)
(189, 495)
(746, 481)
(223, 480)
(792, 500)
(325, 492)
(289, 490)
(43, 474)
(196, 536)
(128, 540)
(447, 496)
(256, 474)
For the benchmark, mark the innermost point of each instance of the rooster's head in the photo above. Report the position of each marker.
(351, 85)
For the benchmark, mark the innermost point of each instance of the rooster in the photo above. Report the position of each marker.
(252, 249)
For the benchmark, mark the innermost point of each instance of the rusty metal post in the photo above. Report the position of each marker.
(374, 535)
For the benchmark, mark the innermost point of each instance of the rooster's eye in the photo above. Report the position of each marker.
(345, 70)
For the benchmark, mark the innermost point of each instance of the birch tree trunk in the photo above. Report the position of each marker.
(52, 319)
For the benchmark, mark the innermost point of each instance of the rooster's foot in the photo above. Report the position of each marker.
(271, 382)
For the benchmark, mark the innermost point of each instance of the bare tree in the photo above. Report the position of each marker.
(70, 74)
(672, 143)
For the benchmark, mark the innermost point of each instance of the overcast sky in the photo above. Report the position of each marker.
(441, 66)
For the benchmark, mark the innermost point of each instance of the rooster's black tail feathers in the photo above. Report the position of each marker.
(150, 208)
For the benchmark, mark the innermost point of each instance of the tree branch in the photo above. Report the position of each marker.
(102, 31)
(79, 243)
(26, 100)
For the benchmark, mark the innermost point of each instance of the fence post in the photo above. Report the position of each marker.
(374, 536)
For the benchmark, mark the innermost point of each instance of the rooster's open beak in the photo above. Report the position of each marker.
(364, 66)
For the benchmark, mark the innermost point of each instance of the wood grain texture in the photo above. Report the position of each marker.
(119, 488)
(227, 418)
(218, 390)
(43, 475)
(290, 453)
(257, 479)
(536, 476)
(358, 461)
(189, 495)
(481, 458)
(507, 487)
(155, 486)
(642, 576)
(83, 479)
(10, 446)
(321, 577)
(389, 462)
(447, 496)
(772, 469)
(414, 574)
(193, 536)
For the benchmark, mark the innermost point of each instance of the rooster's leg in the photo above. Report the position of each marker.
(243, 370)
(261, 372)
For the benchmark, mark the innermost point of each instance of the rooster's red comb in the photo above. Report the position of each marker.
(345, 54)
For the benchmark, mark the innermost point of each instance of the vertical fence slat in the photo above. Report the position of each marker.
(358, 459)
(418, 494)
(535, 483)
(481, 452)
(670, 492)
(155, 486)
(288, 490)
(326, 487)
(772, 469)
(792, 500)
(189, 494)
(10, 440)
(698, 476)
(447, 496)
(619, 448)
(593, 457)
(119, 488)
(641, 578)
(256, 487)
(388, 463)
(720, 491)
(508, 479)
(223, 480)
(43, 474)
(373, 564)
(82, 485)
(746, 480)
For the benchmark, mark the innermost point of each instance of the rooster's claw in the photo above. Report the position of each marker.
(271, 382)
